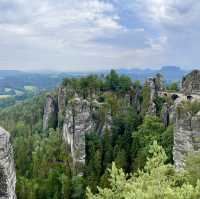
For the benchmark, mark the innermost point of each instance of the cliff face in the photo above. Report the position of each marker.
(186, 137)
(77, 124)
(156, 85)
(191, 83)
(82, 117)
(50, 117)
(76, 117)
(7, 169)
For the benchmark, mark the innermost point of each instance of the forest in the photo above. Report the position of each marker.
(133, 159)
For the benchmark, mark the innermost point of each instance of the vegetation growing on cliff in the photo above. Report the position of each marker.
(44, 167)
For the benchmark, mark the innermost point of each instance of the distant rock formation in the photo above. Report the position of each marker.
(50, 117)
(156, 85)
(7, 169)
(191, 83)
(186, 136)
(159, 83)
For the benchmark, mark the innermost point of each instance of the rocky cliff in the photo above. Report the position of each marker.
(156, 85)
(77, 124)
(7, 169)
(50, 117)
(191, 83)
(186, 135)
(82, 117)
(76, 117)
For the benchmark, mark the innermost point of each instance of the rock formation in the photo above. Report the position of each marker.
(186, 135)
(82, 117)
(7, 169)
(76, 125)
(159, 83)
(136, 99)
(50, 117)
(191, 83)
(166, 114)
(156, 85)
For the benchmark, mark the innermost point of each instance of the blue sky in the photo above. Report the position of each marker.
(71, 35)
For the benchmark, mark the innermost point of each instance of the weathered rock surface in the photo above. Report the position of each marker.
(156, 85)
(50, 117)
(7, 169)
(159, 82)
(166, 114)
(82, 118)
(76, 125)
(191, 83)
(186, 137)
(136, 102)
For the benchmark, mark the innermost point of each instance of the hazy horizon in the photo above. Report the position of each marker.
(106, 69)
(91, 35)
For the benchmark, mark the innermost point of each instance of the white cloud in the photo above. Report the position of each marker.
(89, 34)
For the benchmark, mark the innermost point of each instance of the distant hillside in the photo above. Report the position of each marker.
(170, 73)
(13, 79)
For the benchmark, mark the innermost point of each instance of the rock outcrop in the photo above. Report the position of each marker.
(191, 83)
(136, 99)
(166, 114)
(82, 117)
(186, 136)
(50, 117)
(7, 169)
(156, 85)
(76, 125)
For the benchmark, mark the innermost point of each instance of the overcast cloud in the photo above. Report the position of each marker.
(97, 34)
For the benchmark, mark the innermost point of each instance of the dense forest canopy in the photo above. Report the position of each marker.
(131, 159)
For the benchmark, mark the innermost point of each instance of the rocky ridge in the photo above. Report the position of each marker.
(78, 116)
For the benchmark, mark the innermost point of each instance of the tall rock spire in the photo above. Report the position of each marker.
(7, 169)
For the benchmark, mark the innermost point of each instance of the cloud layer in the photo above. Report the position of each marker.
(97, 34)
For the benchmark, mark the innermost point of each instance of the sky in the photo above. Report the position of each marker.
(72, 35)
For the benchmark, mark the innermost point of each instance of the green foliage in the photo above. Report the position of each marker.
(173, 87)
(151, 129)
(167, 142)
(42, 163)
(157, 181)
(192, 167)
(159, 101)
(145, 99)
(112, 81)
(49, 173)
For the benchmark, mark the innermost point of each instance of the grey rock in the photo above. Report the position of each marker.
(136, 102)
(156, 85)
(76, 125)
(166, 114)
(186, 137)
(7, 169)
(50, 117)
(82, 118)
(191, 83)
